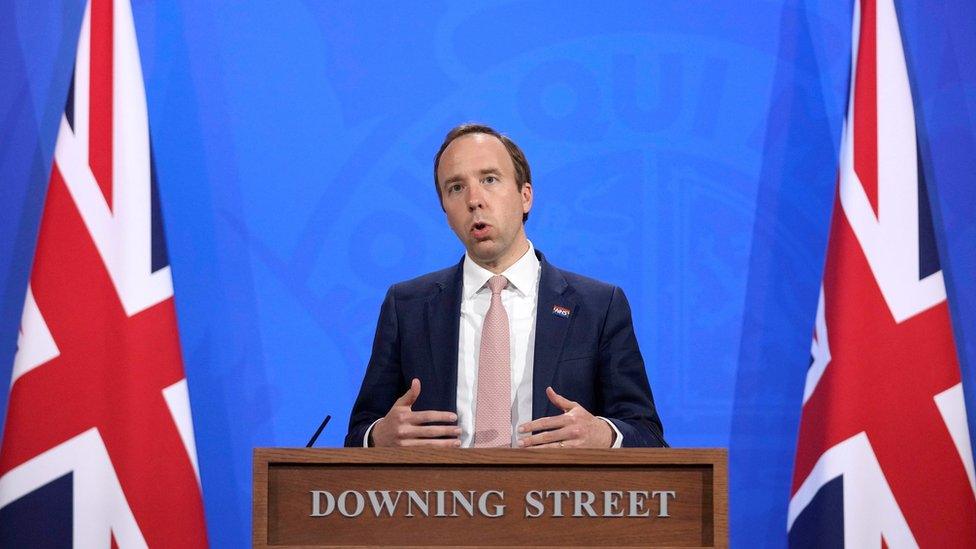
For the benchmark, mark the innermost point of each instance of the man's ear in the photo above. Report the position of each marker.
(526, 197)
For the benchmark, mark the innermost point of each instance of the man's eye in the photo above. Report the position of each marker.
(490, 179)
(455, 188)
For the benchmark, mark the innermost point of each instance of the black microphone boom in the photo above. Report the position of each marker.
(319, 431)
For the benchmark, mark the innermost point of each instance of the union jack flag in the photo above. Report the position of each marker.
(98, 445)
(884, 456)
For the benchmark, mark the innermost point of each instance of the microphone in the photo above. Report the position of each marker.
(319, 431)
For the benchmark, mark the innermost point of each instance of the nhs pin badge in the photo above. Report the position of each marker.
(560, 311)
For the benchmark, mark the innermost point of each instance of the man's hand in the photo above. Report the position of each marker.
(404, 427)
(575, 428)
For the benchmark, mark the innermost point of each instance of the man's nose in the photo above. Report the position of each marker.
(476, 197)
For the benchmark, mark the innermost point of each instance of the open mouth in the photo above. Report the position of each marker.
(480, 229)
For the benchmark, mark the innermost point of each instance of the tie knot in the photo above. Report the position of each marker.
(497, 283)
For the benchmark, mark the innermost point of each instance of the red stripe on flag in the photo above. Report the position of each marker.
(100, 106)
(866, 104)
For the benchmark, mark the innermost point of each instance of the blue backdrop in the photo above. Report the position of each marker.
(685, 151)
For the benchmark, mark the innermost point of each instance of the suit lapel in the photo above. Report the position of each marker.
(443, 312)
(555, 296)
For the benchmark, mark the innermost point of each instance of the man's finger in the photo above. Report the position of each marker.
(441, 442)
(431, 431)
(432, 416)
(553, 445)
(545, 424)
(411, 395)
(560, 401)
(545, 438)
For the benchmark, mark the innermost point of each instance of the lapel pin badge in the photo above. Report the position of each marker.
(560, 311)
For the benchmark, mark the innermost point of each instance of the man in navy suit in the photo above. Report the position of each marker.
(577, 377)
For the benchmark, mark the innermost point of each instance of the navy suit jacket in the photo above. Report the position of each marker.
(590, 356)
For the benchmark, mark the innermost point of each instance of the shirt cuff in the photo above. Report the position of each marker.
(618, 439)
(370, 430)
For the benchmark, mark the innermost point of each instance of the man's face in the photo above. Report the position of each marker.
(483, 203)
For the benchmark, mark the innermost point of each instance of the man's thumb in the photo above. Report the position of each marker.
(411, 395)
(559, 400)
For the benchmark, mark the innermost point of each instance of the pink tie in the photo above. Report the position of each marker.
(493, 408)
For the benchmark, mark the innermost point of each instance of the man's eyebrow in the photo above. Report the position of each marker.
(450, 180)
(458, 177)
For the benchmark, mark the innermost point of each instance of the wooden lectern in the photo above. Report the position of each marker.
(498, 497)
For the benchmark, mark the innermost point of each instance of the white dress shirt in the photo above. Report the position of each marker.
(520, 299)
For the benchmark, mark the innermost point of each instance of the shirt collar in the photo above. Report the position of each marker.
(523, 275)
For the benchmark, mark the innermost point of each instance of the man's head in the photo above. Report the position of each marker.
(523, 174)
(485, 188)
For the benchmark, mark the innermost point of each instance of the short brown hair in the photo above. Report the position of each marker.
(523, 174)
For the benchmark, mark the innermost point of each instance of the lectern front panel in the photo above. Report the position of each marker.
(355, 497)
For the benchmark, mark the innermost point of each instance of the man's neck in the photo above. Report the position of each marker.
(501, 264)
